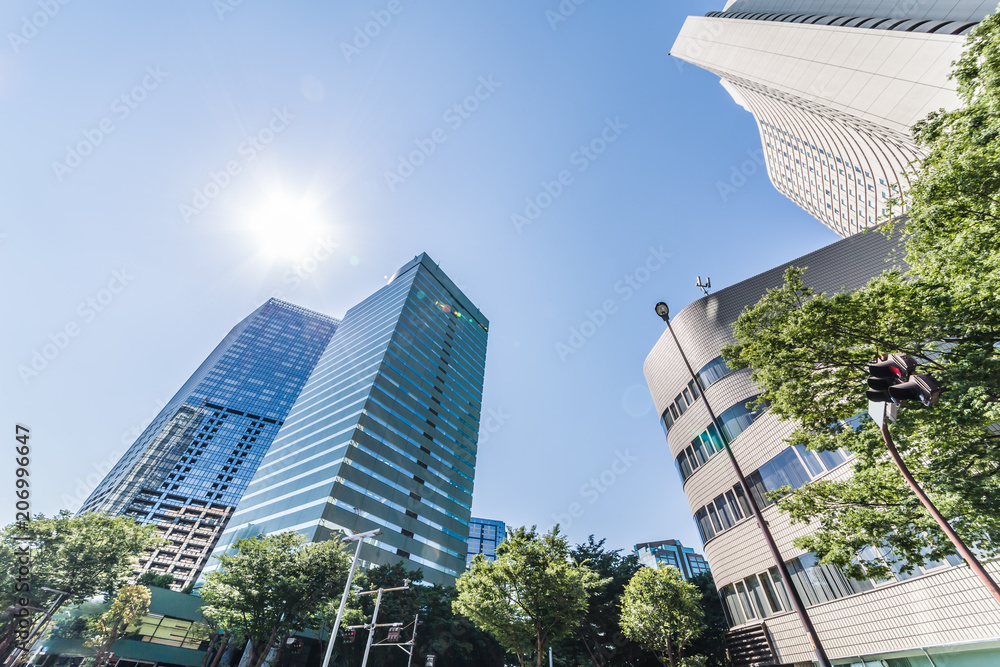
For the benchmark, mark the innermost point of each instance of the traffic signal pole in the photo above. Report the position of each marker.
(359, 538)
(942, 523)
(793, 593)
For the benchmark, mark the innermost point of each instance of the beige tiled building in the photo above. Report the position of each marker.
(835, 86)
(939, 616)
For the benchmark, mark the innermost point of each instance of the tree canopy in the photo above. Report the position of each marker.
(662, 612)
(532, 595)
(809, 351)
(273, 584)
(87, 555)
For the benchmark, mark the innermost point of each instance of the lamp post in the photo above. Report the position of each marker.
(360, 539)
(664, 312)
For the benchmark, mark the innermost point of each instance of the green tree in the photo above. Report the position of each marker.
(599, 639)
(84, 556)
(663, 613)
(272, 585)
(808, 351)
(152, 578)
(711, 643)
(131, 603)
(533, 594)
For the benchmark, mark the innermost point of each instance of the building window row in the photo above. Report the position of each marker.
(722, 513)
(710, 373)
(762, 595)
(793, 467)
(707, 444)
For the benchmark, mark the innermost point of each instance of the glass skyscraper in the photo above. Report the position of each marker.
(671, 552)
(187, 471)
(484, 537)
(384, 433)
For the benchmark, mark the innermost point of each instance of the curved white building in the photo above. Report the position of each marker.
(938, 616)
(835, 86)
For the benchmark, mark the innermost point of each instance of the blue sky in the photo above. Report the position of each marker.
(148, 146)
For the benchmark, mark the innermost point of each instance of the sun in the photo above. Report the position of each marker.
(285, 226)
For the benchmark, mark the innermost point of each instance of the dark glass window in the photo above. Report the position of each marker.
(832, 459)
(785, 469)
(713, 370)
(731, 606)
(715, 517)
(736, 419)
(683, 465)
(700, 450)
(666, 421)
(705, 526)
(725, 513)
(693, 386)
(679, 402)
(737, 513)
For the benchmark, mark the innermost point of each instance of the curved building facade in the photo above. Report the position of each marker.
(835, 87)
(937, 615)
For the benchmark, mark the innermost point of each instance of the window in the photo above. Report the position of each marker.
(785, 469)
(714, 370)
(736, 419)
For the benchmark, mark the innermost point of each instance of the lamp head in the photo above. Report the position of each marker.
(663, 311)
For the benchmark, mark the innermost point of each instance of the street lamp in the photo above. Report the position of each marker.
(893, 380)
(664, 312)
(360, 539)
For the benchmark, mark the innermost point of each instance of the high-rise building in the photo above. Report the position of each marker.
(673, 553)
(835, 86)
(940, 612)
(384, 433)
(187, 471)
(484, 537)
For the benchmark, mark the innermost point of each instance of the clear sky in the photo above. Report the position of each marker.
(148, 146)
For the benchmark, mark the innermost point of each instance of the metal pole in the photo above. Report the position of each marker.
(360, 538)
(413, 640)
(963, 550)
(772, 546)
(371, 631)
(550, 656)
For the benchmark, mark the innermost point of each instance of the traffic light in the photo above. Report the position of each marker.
(350, 635)
(885, 373)
(921, 388)
(394, 633)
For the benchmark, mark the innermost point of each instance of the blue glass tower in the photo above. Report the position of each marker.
(384, 433)
(190, 467)
(484, 537)
(671, 552)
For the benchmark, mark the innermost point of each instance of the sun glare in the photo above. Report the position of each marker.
(285, 227)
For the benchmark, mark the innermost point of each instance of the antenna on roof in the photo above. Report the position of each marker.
(704, 287)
